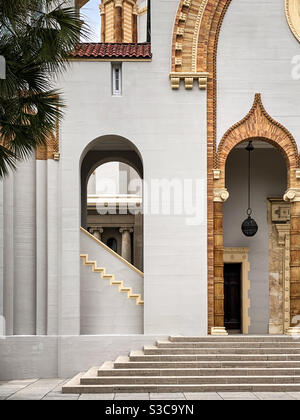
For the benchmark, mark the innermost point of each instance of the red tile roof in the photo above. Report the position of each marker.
(103, 50)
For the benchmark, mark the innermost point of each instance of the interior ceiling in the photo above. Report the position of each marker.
(113, 144)
(258, 144)
(81, 3)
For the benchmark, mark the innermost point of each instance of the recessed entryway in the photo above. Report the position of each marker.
(232, 297)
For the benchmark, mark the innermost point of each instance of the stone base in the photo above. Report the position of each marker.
(219, 331)
(293, 331)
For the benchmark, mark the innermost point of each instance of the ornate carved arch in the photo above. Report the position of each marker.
(259, 124)
(195, 39)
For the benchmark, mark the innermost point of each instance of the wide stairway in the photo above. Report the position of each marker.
(199, 364)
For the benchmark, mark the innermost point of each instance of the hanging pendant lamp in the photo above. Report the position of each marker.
(249, 226)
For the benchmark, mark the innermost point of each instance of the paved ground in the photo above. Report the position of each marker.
(50, 389)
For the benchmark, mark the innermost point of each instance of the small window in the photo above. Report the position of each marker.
(112, 244)
(117, 79)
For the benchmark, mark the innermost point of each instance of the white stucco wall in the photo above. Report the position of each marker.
(169, 130)
(255, 53)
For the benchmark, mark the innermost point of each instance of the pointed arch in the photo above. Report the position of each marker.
(258, 124)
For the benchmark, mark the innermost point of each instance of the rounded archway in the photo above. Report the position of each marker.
(112, 195)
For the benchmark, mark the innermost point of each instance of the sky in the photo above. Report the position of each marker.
(91, 14)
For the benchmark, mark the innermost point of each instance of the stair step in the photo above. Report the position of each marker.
(149, 350)
(188, 380)
(139, 356)
(199, 372)
(74, 387)
(216, 345)
(235, 338)
(199, 365)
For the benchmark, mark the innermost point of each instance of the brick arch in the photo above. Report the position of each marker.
(258, 124)
(196, 33)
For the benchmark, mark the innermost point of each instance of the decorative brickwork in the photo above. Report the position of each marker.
(259, 124)
(118, 21)
(51, 149)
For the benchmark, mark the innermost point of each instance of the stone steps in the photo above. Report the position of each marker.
(149, 350)
(198, 372)
(217, 345)
(75, 387)
(140, 356)
(235, 339)
(199, 364)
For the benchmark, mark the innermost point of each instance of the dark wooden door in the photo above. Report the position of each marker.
(232, 296)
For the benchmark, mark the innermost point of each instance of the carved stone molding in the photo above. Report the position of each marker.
(219, 331)
(220, 195)
(279, 265)
(217, 174)
(189, 80)
(293, 331)
(292, 195)
(292, 11)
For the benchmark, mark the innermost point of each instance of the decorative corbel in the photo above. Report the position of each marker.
(292, 195)
(188, 78)
(220, 195)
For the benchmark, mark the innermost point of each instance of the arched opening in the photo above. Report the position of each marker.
(112, 196)
(112, 243)
(255, 304)
(283, 218)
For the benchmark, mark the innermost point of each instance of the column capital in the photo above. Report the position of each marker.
(126, 229)
(94, 229)
(292, 195)
(102, 9)
(220, 195)
(119, 3)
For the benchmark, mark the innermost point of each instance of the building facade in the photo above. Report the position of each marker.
(179, 108)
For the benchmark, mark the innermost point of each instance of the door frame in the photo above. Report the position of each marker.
(237, 255)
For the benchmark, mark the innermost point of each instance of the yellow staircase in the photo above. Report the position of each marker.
(112, 280)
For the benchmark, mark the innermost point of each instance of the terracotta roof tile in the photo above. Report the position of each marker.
(103, 50)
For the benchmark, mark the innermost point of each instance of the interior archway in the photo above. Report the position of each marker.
(258, 125)
(109, 208)
(262, 304)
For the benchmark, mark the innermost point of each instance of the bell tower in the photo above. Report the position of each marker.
(119, 21)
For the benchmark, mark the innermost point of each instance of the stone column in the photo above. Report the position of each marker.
(97, 232)
(118, 21)
(126, 244)
(24, 236)
(102, 13)
(293, 196)
(220, 196)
